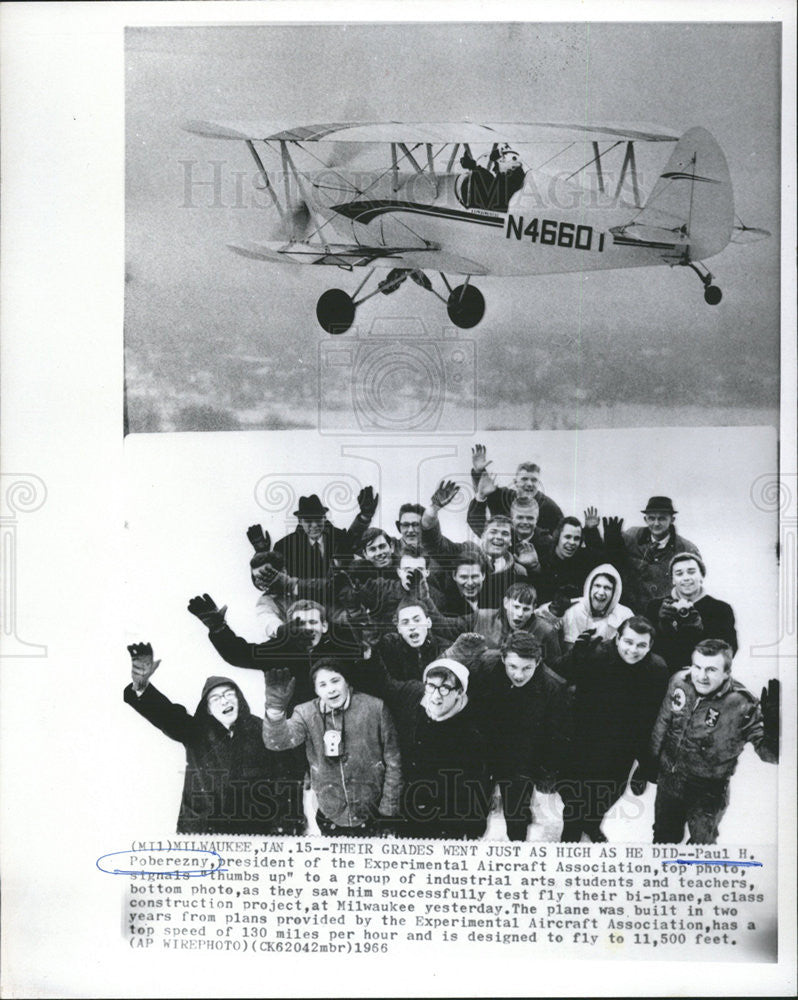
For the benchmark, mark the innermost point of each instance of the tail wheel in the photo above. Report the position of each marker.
(712, 295)
(335, 311)
(466, 306)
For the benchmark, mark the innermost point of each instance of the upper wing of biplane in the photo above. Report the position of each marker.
(351, 255)
(517, 133)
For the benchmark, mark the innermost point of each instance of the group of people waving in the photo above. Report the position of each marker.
(414, 678)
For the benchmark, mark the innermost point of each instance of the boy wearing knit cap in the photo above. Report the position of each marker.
(350, 742)
(447, 790)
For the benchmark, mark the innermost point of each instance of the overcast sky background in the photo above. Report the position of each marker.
(187, 292)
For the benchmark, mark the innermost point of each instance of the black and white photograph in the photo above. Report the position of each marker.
(434, 599)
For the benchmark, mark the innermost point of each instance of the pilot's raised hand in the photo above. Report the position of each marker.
(142, 665)
(446, 492)
(467, 162)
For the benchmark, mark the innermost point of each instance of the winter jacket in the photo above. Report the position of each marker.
(579, 617)
(232, 783)
(702, 737)
(492, 625)
(678, 635)
(306, 561)
(383, 594)
(498, 579)
(615, 706)
(501, 500)
(447, 789)
(365, 778)
(402, 661)
(645, 565)
(282, 651)
(528, 728)
(477, 518)
(555, 572)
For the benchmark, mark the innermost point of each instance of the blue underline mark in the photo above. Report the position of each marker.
(703, 861)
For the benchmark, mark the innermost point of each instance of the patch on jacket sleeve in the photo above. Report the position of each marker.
(678, 699)
(712, 718)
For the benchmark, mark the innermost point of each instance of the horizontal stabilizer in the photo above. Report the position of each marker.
(349, 255)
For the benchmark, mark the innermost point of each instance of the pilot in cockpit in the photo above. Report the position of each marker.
(492, 188)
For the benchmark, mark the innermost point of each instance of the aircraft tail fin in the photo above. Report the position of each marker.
(693, 197)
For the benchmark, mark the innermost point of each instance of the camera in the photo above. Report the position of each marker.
(396, 379)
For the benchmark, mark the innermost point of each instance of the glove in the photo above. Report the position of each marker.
(260, 540)
(467, 162)
(207, 612)
(613, 526)
(561, 601)
(279, 689)
(142, 665)
(769, 705)
(446, 492)
(367, 501)
(637, 783)
(417, 583)
(586, 644)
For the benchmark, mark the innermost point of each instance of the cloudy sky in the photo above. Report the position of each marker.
(187, 291)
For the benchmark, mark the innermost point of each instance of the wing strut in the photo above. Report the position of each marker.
(264, 174)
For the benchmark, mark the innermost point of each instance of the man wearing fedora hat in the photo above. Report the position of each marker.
(644, 554)
(309, 550)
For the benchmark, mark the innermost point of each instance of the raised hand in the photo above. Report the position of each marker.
(259, 539)
(479, 456)
(417, 583)
(446, 492)
(279, 689)
(142, 665)
(591, 517)
(486, 484)
(367, 501)
(612, 531)
(586, 644)
(526, 554)
(205, 609)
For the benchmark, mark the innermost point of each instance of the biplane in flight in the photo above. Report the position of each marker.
(466, 200)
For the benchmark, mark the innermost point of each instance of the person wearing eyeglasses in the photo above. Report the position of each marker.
(232, 783)
(447, 791)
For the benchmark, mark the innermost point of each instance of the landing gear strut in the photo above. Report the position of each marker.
(712, 294)
(336, 308)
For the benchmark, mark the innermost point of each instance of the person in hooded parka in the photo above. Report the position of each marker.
(232, 783)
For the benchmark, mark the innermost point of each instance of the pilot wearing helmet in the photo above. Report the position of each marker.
(492, 188)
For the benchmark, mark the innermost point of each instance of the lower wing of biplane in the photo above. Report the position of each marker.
(427, 217)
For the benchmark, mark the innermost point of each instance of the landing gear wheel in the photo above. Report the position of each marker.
(712, 295)
(335, 311)
(466, 306)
